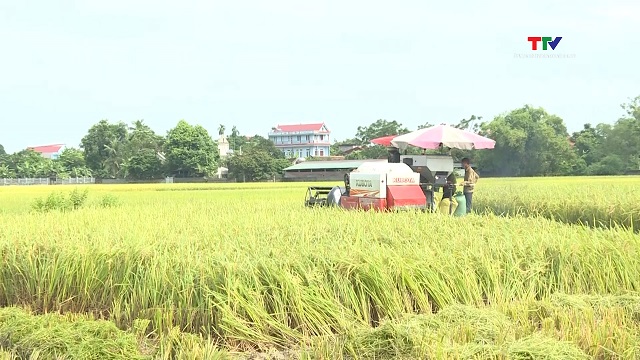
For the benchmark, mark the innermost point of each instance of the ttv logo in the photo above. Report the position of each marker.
(545, 41)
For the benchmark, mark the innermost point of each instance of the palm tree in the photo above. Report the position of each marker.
(113, 161)
(234, 135)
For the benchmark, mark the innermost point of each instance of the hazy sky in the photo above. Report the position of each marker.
(64, 65)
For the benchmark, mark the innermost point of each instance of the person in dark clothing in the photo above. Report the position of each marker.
(450, 188)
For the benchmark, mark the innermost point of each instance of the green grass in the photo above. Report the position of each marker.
(225, 270)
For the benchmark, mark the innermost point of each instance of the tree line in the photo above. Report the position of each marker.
(136, 152)
(529, 142)
(532, 142)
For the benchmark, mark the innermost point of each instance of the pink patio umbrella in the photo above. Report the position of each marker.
(443, 135)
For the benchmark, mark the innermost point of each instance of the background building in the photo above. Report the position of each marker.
(223, 146)
(323, 170)
(302, 140)
(48, 151)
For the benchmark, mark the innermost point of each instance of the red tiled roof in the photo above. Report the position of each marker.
(47, 148)
(300, 127)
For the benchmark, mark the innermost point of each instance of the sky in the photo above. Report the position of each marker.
(65, 65)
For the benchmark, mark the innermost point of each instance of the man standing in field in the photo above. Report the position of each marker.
(470, 180)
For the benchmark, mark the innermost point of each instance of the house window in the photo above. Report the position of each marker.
(299, 138)
(321, 137)
(321, 152)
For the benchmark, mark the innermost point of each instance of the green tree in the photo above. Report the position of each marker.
(260, 143)
(369, 152)
(141, 136)
(632, 108)
(255, 165)
(29, 164)
(143, 159)
(611, 164)
(623, 139)
(144, 165)
(104, 147)
(425, 126)
(54, 169)
(236, 141)
(72, 158)
(529, 142)
(335, 147)
(471, 124)
(379, 128)
(4, 157)
(363, 138)
(6, 172)
(260, 160)
(190, 151)
(71, 163)
(588, 146)
(114, 165)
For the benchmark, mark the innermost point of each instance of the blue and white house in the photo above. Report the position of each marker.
(302, 140)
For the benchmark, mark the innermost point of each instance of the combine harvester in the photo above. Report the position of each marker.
(404, 181)
(407, 184)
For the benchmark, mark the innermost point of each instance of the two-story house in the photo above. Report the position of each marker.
(302, 140)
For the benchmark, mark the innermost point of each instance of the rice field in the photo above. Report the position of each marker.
(548, 269)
